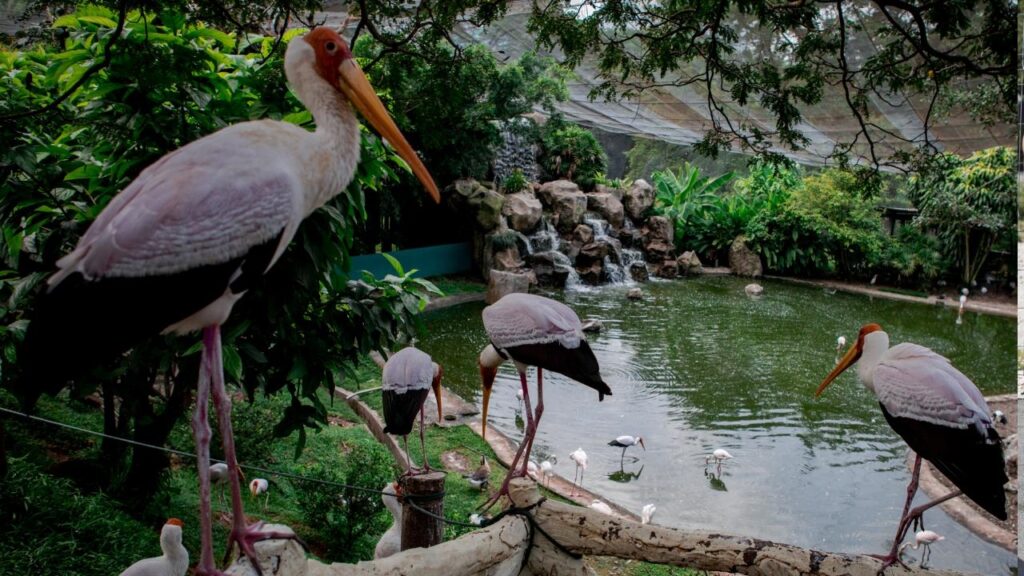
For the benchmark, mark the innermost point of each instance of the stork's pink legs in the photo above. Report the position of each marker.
(212, 370)
(532, 419)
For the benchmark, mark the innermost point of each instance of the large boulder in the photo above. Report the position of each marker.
(667, 269)
(583, 234)
(689, 263)
(474, 200)
(488, 212)
(523, 211)
(742, 260)
(547, 190)
(552, 268)
(658, 228)
(608, 206)
(567, 210)
(502, 283)
(638, 199)
(592, 272)
(617, 192)
(638, 272)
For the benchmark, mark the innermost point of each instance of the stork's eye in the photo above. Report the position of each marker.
(331, 47)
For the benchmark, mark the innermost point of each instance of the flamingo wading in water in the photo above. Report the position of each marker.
(535, 331)
(194, 231)
(409, 374)
(940, 414)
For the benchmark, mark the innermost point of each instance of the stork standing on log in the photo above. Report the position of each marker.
(409, 374)
(535, 331)
(941, 415)
(193, 232)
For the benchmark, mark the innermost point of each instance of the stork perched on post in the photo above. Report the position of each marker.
(409, 374)
(940, 414)
(193, 232)
(535, 331)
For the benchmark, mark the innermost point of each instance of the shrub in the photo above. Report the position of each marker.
(911, 257)
(349, 519)
(570, 151)
(515, 182)
(691, 202)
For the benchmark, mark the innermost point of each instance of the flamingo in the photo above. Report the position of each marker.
(940, 414)
(173, 562)
(547, 469)
(923, 538)
(409, 374)
(193, 232)
(390, 542)
(627, 441)
(536, 331)
(580, 458)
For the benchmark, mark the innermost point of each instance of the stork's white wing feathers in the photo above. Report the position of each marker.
(912, 381)
(408, 369)
(523, 319)
(186, 209)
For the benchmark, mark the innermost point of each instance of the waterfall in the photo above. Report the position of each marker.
(547, 240)
(616, 266)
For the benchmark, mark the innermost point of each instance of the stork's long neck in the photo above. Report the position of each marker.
(489, 357)
(174, 551)
(331, 155)
(875, 345)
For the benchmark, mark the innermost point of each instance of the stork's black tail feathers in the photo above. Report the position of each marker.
(578, 363)
(971, 460)
(400, 410)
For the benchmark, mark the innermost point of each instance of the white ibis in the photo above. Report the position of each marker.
(219, 477)
(535, 331)
(260, 486)
(547, 469)
(409, 374)
(580, 458)
(840, 343)
(646, 513)
(963, 301)
(627, 441)
(173, 562)
(923, 538)
(481, 476)
(940, 414)
(194, 231)
(390, 542)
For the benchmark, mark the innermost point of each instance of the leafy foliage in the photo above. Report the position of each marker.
(970, 203)
(515, 182)
(570, 151)
(350, 519)
(690, 201)
(169, 83)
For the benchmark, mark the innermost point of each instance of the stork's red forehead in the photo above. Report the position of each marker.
(331, 50)
(869, 328)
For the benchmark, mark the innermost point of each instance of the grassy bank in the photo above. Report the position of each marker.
(56, 525)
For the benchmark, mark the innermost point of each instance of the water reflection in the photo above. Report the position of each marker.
(622, 476)
(697, 366)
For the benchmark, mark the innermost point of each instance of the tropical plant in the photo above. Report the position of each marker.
(515, 182)
(570, 151)
(687, 199)
(168, 83)
(969, 203)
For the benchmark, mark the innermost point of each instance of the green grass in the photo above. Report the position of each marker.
(905, 292)
(459, 284)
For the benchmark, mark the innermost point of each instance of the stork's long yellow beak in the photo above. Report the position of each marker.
(487, 376)
(851, 356)
(353, 83)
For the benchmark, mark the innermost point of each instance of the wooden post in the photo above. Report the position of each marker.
(418, 529)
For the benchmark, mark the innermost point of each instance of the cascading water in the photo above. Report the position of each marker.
(616, 264)
(546, 241)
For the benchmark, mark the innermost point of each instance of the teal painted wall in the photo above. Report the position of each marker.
(429, 261)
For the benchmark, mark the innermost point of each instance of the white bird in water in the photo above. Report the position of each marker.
(184, 241)
(580, 458)
(923, 538)
(390, 542)
(173, 562)
(260, 486)
(601, 507)
(481, 476)
(627, 441)
(647, 513)
(406, 381)
(719, 455)
(535, 331)
(940, 414)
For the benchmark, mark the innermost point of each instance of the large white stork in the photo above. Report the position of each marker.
(409, 374)
(939, 413)
(535, 331)
(173, 561)
(183, 242)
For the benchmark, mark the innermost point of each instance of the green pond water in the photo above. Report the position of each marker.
(697, 365)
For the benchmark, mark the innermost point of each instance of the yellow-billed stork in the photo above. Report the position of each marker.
(408, 377)
(940, 414)
(390, 542)
(625, 441)
(184, 241)
(173, 562)
(535, 331)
